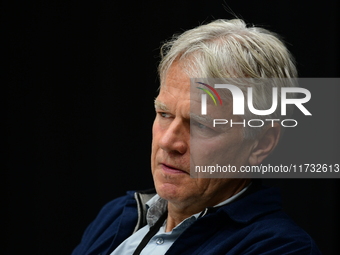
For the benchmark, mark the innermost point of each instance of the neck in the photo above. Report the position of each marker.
(176, 216)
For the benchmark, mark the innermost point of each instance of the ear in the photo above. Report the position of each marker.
(265, 144)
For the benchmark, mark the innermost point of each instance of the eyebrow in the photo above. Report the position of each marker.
(161, 106)
(193, 116)
(208, 121)
(199, 118)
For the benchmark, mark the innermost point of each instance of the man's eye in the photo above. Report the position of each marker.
(200, 130)
(201, 126)
(164, 115)
(198, 125)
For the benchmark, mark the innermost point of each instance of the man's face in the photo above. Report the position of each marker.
(170, 159)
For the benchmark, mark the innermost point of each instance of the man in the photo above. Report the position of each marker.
(204, 215)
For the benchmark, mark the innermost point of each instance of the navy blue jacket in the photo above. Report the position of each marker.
(253, 224)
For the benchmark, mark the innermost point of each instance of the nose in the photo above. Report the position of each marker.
(175, 138)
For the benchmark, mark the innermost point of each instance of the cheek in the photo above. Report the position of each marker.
(222, 150)
(153, 145)
(209, 147)
(156, 134)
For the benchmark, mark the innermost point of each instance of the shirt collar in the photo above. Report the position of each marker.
(156, 206)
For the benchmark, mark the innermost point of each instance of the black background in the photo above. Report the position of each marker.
(81, 83)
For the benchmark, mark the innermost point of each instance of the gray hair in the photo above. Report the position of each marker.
(230, 49)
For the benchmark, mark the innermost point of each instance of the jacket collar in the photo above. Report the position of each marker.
(257, 201)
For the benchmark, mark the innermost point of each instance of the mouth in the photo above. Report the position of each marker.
(171, 169)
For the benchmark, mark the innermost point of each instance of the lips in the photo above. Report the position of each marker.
(171, 169)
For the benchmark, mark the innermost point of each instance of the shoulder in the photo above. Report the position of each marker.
(261, 226)
(120, 213)
(277, 233)
(253, 224)
(111, 211)
(116, 205)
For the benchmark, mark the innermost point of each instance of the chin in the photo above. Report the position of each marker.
(167, 191)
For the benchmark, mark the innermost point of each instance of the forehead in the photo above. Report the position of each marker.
(176, 90)
(176, 84)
